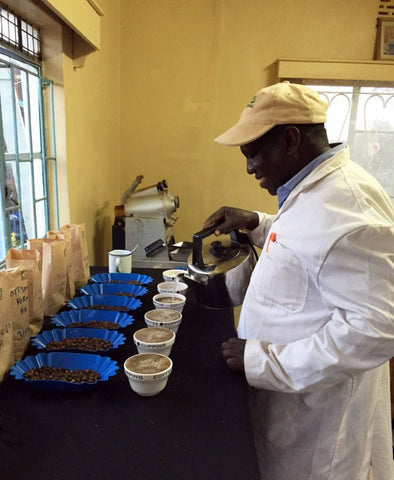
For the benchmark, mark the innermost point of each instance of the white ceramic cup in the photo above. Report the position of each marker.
(154, 340)
(144, 380)
(172, 301)
(119, 261)
(163, 318)
(171, 275)
(172, 287)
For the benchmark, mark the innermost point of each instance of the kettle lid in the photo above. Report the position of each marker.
(216, 255)
(219, 252)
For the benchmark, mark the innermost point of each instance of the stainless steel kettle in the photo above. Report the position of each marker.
(219, 271)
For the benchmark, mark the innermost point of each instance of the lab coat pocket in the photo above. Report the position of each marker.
(274, 416)
(281, 280)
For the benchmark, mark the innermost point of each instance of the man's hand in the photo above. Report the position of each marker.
(233, 352)
(232, 219)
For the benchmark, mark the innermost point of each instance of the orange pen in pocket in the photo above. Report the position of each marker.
(271, 238)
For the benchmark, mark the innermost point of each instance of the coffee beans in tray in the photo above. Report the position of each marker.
(79, 339)
(96, 324)
(64, 371)
(81, 343)
(64, 374)
(105, 302)
(86, 318)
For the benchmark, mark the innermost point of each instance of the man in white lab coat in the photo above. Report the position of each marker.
(316, 328)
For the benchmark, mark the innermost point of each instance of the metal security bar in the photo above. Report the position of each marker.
(27, 156)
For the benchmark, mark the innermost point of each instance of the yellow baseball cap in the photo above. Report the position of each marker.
(277, 104)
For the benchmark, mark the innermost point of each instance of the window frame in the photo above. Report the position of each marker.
(47, 157)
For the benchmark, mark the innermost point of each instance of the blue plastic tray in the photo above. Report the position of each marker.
(121, 277)
(113, 289)
(42, 339)
(108, 300)
(66, 319)
(73, 361)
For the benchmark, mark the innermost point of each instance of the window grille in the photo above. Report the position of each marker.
(362, 115)
(386, 8)
(19, 35)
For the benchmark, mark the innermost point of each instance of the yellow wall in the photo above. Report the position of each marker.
(170, 76)
(92, 112)
(189, 67)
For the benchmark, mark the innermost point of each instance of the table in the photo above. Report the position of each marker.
(197, 428)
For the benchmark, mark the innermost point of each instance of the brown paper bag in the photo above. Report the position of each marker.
(80, 253)
(30, 259)
(54, 272)
(6, 344)
(6, 333)
(66, 235)
(14, 307)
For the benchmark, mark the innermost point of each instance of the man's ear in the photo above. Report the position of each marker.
(293, 139)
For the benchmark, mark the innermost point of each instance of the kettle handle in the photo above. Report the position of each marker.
(197, 244)
(199, 236)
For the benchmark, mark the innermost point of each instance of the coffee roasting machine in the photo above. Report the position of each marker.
(146, 218)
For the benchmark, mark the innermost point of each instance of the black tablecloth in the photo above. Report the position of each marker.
(197, 428)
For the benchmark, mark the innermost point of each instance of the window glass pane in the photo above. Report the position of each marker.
(6, 97)
(28, 113)
(38, 178)
(51, 193)
(12, 194)
(338, 114)
(41, 219)
(13, 203)
(9, 30)
(27, 198)
(376, 109)
(374, 151)
(33, 86)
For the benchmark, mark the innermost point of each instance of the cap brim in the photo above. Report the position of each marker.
(241, 134)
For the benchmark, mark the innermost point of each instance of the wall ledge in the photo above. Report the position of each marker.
(82, 16)
(374, 70)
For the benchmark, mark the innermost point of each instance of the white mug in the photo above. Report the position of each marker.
(119, 261)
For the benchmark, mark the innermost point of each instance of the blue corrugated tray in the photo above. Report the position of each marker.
(57, 334)
(121, 277)
(68, 318)
(72, 361)
(86, 301)
(114, 289)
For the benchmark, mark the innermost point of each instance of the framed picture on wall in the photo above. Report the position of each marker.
(385, 39)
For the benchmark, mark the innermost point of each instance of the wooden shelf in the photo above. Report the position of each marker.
(372, 71)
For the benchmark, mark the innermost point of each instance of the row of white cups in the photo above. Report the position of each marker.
(149, 369)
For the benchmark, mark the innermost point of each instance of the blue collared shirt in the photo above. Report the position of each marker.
(284, 190)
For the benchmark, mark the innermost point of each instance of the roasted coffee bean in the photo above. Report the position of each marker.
(56, 373)
(80, 343)
(95, 324)
(118, 308)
